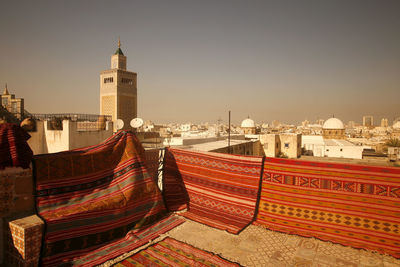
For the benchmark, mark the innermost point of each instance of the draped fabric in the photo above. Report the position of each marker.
(174, 191)
(353, 205)
(171, 252)
(219, 190)
(152, 162)
(14, 149)
(97, 202)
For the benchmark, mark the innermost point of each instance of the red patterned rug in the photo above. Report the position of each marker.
(97, 202)
(220, 190)
(14, 149)
(152, 162)
(353, 205)
(171, 252)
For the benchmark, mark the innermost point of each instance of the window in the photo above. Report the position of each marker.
(286, 145)
(327, 150)
(109, 80)
(4, 101)
(341, 149)
(14, 107)
(127, 81)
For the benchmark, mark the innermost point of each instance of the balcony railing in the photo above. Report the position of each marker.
(85, 122)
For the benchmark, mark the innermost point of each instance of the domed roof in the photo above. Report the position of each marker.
(248, 123)
(396, 125)
(333, 123)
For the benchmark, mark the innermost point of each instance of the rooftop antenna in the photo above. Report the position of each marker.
(229, 134)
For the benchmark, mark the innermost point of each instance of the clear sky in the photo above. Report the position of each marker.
(284, 60)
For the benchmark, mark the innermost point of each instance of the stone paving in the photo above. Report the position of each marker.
(256, 246)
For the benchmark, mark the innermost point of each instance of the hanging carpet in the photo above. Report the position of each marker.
(353, 205)
(97, 202)
(219, 190)
(14, 149)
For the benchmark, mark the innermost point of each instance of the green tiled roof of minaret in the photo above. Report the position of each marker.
(119, 51)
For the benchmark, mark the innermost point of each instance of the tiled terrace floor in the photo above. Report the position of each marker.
(256, 246)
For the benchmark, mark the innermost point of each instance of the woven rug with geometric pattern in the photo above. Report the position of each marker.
(171, 252)
(97, 202)
(219, 190)
(353, 205)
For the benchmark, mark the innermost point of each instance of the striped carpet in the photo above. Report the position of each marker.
(97, 202)
(152, 162)
(171, 252)
(353, 205)
(219, 190)
(14, 149)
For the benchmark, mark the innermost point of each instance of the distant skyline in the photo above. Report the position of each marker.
(271, 60)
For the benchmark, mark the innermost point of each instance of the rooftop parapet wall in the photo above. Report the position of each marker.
(16, 200)
(16, 191)
(86, 121)
(47, 140)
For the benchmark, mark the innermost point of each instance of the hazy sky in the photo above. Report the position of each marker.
(284, 60)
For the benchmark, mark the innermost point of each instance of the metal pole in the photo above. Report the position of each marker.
(229, 134)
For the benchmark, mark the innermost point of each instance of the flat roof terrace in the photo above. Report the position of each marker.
(257, 246)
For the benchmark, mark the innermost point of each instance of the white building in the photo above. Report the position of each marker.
(248, 126)
(192, 140)
(238, 147)
(186, 127)
(337, 148)
(394, 153)
(396, 130)
(331, 143)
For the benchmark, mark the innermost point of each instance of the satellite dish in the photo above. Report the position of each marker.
(136, 123)
(119, 124)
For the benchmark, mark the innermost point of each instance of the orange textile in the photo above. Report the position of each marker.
(353, 205)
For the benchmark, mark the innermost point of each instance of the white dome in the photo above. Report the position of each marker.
(333, 123)
(396, 125)
(248, 123)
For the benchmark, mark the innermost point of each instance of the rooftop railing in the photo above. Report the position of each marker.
(85, 122)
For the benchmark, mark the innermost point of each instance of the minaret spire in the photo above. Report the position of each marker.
(6, 90)
(119, 51)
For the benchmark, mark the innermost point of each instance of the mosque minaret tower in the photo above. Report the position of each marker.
(118, 90)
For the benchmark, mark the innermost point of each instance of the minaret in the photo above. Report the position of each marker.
(118, 90)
